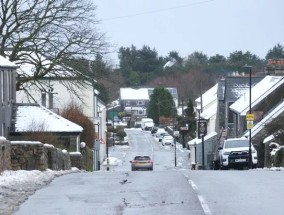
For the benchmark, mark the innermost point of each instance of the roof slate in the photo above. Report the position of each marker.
(233, 87)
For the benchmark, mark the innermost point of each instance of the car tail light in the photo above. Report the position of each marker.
(150, 161)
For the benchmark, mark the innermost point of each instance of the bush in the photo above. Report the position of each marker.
(267, 156)
(74, 113)
(279, 158)
(121, 134)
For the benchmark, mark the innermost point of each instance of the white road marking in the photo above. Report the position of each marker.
(204, 205)
(201, 199)
(193, 185)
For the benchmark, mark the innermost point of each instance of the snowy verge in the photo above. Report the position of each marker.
(17, 186)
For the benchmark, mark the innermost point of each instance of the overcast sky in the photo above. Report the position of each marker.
(210, 26)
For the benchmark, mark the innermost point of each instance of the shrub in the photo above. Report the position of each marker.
(279, 158)
(121, 134)
(74, 113)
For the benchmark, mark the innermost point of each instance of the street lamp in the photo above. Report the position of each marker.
(112, 125)
(107, 132)
(174, 119)
(98, 130)
(250, 156)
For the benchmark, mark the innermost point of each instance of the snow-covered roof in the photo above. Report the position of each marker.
(269, 138)
(209, 112)
(134, 94)
(207, 97)
(198, 141)
(170, 63)
(6, 63)
(258, 93)
(38, 118)
(267, 119)
(29, 69)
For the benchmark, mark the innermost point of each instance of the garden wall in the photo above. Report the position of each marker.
(33, 155)
(5, 158)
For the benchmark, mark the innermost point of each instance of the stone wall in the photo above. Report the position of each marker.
(33, 155)
(28, 155)
(5, 158)
(57, 159)
(76, 159)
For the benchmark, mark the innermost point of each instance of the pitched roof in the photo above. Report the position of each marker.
(261, 90)
(207, 97)
(134, 94)
(209, 112)
(33, 117)
(233, 87)
(267, 119)
(6, 63)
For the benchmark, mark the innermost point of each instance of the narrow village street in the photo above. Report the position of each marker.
(165, 190)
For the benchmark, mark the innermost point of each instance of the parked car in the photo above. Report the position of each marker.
(141, 163)
(235, 153)
(161, 136)
(167, 140)
(160, 131)
(154, 130)
(147, 124)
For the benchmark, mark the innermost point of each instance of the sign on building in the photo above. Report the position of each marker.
(202, 128)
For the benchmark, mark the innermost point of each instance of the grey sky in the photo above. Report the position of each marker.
(210, 26)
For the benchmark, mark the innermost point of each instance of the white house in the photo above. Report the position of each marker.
(136, 100)
(7, 94)
(59, 90)
(206, 107)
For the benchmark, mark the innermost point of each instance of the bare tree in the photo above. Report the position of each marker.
(42, 33)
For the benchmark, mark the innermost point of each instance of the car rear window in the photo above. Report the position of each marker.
(142, 158)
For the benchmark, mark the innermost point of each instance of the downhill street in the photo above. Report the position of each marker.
(166, 190)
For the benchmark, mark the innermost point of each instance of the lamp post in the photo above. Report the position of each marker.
(174, 119)
(98, 130)
(107, 132)
(112, 125)
(250, 156)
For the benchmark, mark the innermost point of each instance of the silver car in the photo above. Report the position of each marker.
(141, 163)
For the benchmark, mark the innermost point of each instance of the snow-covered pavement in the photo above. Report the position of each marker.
(17, 186)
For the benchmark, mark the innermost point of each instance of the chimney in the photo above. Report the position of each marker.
(43, 98)
(50, 99)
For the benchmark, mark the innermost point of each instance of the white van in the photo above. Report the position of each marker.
(147, 124)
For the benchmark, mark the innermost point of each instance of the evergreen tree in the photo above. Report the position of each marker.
(276, 52)
(161, 104)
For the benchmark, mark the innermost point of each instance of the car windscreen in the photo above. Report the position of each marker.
(236, 143)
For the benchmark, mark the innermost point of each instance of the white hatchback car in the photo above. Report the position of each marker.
(167, 140)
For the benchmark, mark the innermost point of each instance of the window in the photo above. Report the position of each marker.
(127, 103)
(139, 102)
